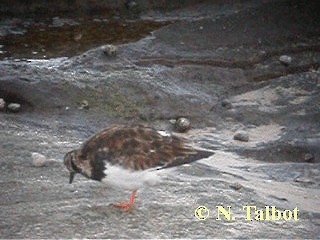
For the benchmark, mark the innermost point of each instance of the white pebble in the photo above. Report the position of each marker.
(38, 160)
(286, 60)
(109, 50)
(2, 104)
(14, 107)
(84, 105)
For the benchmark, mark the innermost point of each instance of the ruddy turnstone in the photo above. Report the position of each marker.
(130, 157)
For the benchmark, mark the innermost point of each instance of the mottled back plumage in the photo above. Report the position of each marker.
(134, 148)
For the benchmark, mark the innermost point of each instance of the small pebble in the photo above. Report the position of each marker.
(182, 124)
(38, 160)
(304, 180)
(2, 104)
(14, 107)
(241, 136)
(308, 157)
(226, 104)
(285, 60)
(131, 5)
(109, 50)
(77, 37)
(235, 186)
(173, 121)
(84, 105)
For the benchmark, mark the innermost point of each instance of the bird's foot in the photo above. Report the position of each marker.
(126, 206)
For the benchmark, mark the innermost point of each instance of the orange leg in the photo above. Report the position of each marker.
(127, 205)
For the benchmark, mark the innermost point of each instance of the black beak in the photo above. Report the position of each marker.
(71, 177)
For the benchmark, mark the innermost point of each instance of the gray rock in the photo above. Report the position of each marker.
(2, 104)
(182, 124)
(59, 22)
(226, 104)
(308, 157)
(109, 50)
(84, 104)
(236, 186)
(241, 136)
(304, 180)
(131, 5)
(285, 60)
(14, 107)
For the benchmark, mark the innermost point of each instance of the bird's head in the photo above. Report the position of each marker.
(70, 162)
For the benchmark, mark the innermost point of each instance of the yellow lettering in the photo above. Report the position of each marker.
(259, 215)
(202, 213)
(295, 214)
(248, 212)
(287, 215)
(267, 213)
(226, 214)
(275, 214)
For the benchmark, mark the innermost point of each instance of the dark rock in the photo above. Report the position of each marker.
(133, 7)
(226, 104)
(130, 4)
(241, 136)
(279, 198)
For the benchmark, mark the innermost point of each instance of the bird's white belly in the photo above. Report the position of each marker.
(119, 177)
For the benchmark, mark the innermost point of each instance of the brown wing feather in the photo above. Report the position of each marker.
(138, 148)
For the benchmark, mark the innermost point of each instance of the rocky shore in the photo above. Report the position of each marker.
(244, 76)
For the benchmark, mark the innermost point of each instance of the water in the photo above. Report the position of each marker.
(65, 37)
